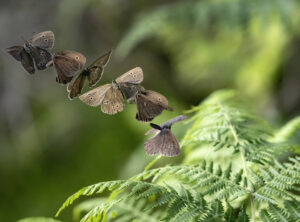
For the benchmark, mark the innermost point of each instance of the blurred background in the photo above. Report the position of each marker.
(51, 146)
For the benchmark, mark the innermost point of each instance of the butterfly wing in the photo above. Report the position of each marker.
(27, 62)
(20, 54)
(40, 56)
(15, 51)
(150, 105)
(96, 69)
(95, 96)
(134, 76)
(67, 63)
(74, 88)
(169, 146)
(129, 90)
(147, 110)
(164, 143)
(113, 101)
(43, 40)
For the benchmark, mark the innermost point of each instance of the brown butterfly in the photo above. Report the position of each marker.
(93, 73)
(34, 51)
(150, 104)
(109, 96)
(164, 142)
(67, 63)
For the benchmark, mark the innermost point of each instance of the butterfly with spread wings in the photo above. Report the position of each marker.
(109, 96)
(35, 52)
(93, 73)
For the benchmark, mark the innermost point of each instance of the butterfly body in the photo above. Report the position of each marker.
(34, 51)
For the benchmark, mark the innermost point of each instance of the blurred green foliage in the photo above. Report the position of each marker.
(50, 146)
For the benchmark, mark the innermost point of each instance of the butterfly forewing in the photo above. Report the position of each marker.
(113, 101)
(44, 40)
(134, 76)
(96, 69)
(95, 96)
(15, 51)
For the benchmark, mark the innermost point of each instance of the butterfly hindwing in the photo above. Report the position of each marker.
(113, 101)
(27, 62)
(164, 143)
(74, 88)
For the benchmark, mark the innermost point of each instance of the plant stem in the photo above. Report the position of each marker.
(242, 152)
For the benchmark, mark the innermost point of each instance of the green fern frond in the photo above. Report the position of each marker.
(277, 182)
(288, 130)
(221, 122)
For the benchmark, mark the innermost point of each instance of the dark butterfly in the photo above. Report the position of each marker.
(164, 142)
(34, 51)
(130, 90)
(67, 63)
(109, 96)
(149, 105)
(93, 73)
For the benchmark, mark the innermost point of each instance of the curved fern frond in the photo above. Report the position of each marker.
(222, 122)
(288, 130)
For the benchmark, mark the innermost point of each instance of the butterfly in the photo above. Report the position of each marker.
(34, 52)
(93, 73)
(109, 96)
(67, 63)
(164, 142)
(130, 90)
(149, 105)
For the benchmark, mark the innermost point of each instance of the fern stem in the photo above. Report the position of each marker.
(152, 163)
(236, 139)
